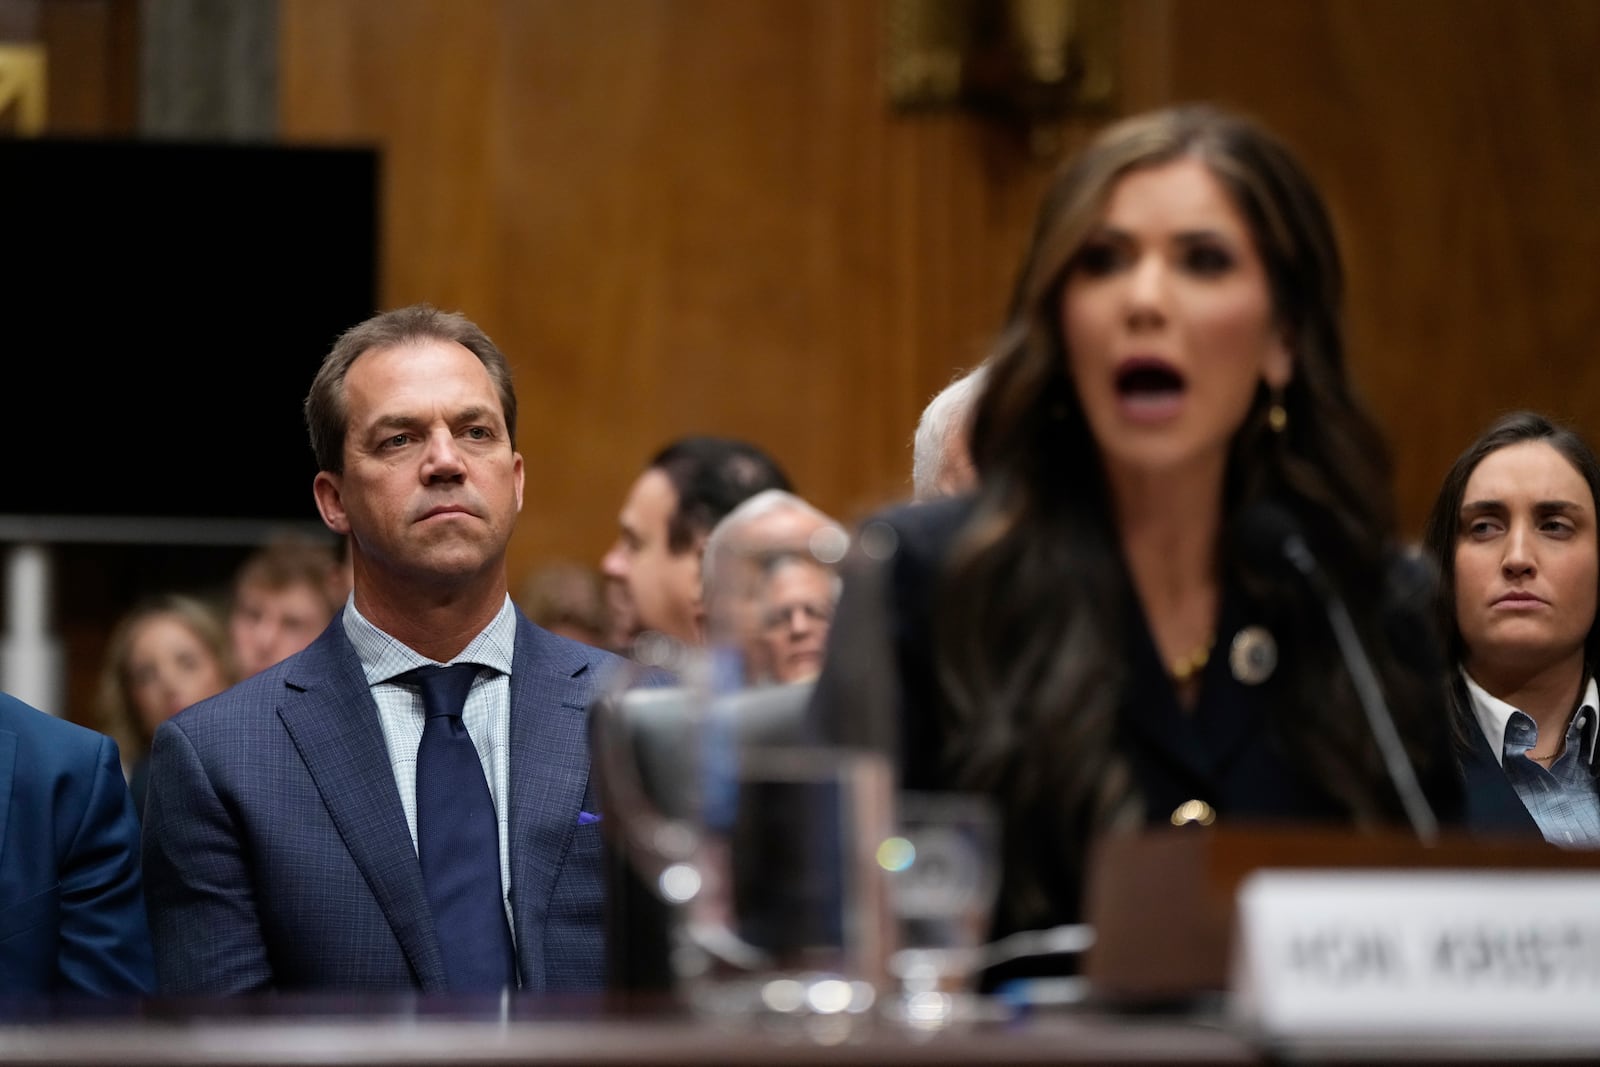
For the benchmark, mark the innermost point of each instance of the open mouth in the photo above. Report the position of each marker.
(1148, 377)
(1149, 388)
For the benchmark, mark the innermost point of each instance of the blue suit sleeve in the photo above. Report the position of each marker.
(105, 946)
(203, 912)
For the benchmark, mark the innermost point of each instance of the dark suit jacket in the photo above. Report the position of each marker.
(277, 853)
(72, 914)
(1223, 751)
(1493, 806)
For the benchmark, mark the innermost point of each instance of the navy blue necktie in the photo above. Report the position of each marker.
(458, 839)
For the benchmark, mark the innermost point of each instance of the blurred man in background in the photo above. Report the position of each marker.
(769, 584)
(684, 491)
(940, 462)
(284, 595)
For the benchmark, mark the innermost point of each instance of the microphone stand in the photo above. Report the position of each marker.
(1368, 691)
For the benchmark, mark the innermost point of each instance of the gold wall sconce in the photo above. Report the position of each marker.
(1032, 63)
(22, 89)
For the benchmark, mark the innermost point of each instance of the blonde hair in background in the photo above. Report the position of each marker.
(114, 706)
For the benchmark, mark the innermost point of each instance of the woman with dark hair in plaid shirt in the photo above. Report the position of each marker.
(1514, 535)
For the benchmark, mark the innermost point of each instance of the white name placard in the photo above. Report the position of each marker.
(1449, 954)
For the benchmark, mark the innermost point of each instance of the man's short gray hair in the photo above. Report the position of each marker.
(949, 413)
(725, 540)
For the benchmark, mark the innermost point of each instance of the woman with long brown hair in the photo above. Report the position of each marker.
(1105, 634)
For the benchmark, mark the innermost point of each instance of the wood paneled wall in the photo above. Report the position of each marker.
(92, 49)
(1458, 142)
(675, 216)
(701, 216)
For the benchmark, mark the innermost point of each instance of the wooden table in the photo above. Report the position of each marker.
(301, 1031)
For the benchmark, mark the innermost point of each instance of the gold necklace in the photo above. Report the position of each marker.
(1186, 668)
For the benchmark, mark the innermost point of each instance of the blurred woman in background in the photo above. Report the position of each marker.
(166, 652)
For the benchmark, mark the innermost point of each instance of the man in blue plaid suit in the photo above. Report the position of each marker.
(280, 842)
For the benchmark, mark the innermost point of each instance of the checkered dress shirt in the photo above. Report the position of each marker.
(487, 714)
(1562, 799)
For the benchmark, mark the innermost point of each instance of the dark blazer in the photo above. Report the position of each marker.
(72, 917)
(1223, 751)
(1492, 804)
(276, 848)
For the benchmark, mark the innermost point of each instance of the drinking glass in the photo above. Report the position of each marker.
(943, 866)
(761, 840)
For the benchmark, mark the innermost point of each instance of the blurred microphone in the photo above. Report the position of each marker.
(1269, 531)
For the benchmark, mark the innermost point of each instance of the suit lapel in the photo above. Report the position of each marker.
(550, 691)
(328, 711)
(1492, 801)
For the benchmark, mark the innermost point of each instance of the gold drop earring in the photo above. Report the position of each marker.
(1277, 414)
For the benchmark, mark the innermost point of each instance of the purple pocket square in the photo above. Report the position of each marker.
(585, 818)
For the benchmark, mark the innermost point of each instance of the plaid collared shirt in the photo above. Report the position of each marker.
(1562, 799)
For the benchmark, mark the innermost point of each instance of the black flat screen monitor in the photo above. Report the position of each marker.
(167, 305)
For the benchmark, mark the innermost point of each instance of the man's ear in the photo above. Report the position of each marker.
(328, 489)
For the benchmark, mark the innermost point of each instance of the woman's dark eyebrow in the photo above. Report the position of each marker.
(1203, 236)
(1541, 506)
(1561, 506)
